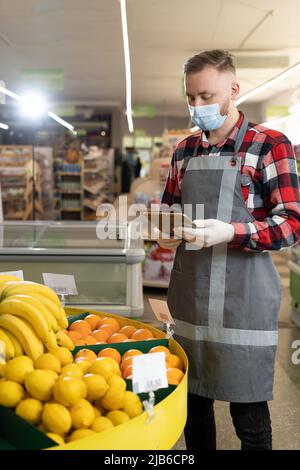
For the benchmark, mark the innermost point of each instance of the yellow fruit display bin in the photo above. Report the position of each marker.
(159, 432)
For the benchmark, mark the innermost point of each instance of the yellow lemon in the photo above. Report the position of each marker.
(42, 428)
(117, 417)
(72, 369)
(82, 414)
(116, 381)
(132, 406)
(69, 389)
(49, 362)
(80, 434)
(102, 424)
(83, 364)
(97, 412)
(96, 386)
(2, 370)
(39, 384)
(105, 366)
(56, 438)
(11, 393)
(63, 354)
(17, 368)
(30, 409)
(56, 418)
(114, 399)
(97, 404)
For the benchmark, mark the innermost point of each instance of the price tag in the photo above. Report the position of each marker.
(149, 372)
(161, 311)
(19, 274)
(62, 284)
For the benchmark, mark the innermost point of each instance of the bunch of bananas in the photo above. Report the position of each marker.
(32, 319)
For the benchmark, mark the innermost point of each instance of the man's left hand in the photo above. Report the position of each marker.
(209, 232)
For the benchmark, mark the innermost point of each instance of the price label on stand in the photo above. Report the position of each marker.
(149, 372)
(161, 311)
(62, 284)
(18, 274)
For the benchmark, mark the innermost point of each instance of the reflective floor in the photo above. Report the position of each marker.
(285, 408)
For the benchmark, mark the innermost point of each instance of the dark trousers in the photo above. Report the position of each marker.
(251, 421)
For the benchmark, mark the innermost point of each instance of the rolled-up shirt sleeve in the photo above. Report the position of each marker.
(281, 198)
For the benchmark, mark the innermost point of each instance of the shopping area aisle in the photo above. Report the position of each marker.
(285, 408)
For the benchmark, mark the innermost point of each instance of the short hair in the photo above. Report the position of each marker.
(220, 59)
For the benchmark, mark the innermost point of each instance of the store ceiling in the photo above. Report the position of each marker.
(84, 38)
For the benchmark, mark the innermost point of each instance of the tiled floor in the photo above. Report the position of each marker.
(285, 408)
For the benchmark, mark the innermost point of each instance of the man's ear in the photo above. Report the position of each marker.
(235, 90)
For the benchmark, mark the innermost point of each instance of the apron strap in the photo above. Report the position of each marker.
(239, 140)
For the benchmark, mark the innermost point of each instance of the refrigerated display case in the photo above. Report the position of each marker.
(107, 273)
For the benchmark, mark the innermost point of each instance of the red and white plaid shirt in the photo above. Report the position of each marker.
(272, 197)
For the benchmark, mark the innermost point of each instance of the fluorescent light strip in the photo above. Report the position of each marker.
(3, 126)
(268, 84)
(127, 65)
(10, 93)
(61, 121)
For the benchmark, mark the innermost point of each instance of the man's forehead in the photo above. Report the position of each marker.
(208, 78)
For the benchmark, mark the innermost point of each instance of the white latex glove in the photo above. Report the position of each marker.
(209, 232)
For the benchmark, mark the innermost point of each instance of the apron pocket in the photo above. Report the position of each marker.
(188, 297)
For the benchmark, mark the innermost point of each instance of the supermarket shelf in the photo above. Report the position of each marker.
(76, 191)
(161, 285)
(68, 173)
(70, 210)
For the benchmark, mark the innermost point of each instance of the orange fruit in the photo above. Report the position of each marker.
(101, 335)
(174, 361)
(160, 349)
(128, 340)
(131, 352)
(126, 362)
(93, 320)
(142, 334)
(108, 329)
(127, 373)
(110, 352)
(79, 342)
(117, 338)
(112, 322)
(127, 330)
(82, 326)
(74, 335)
(86, 354)
(89, 339)
(174, 376)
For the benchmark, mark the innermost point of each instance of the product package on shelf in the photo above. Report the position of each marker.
(16, 180)
(44, 157)
(98, 179)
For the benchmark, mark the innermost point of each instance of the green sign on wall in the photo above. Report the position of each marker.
(48, 78)
(277, 111)
(144, 111)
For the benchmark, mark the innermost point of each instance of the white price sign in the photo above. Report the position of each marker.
(149, 372)
(19, 274)
(161, 311)
(62, 284)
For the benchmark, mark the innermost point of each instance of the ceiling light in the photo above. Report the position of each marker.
(103, 133)
(127, 65)
(10, 93)
(3, 126)
(61, 121)
(268, 84)
(33, 105)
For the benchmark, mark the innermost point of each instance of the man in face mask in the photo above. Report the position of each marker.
(224, 291)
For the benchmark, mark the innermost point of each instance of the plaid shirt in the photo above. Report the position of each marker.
(272, 197)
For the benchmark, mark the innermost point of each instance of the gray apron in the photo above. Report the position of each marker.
(225, 302)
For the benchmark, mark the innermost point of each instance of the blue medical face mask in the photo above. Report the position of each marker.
(207, 117)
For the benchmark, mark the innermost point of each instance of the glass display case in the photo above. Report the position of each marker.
(107, 272)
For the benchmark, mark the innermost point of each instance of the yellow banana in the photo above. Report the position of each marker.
(25, 287)
(28, 312)
(63, 321)
(8, 278)
(52, 340)
(64, 340)
(6, 346)
(32, 345)
(5, 284)
(19, 351)
(33, 300)
(51, 306)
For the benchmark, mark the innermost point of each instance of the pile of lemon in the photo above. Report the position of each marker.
(67, 400)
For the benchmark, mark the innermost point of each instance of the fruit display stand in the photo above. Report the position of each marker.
(140, 433)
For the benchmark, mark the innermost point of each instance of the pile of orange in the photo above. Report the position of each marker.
(96, 330)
